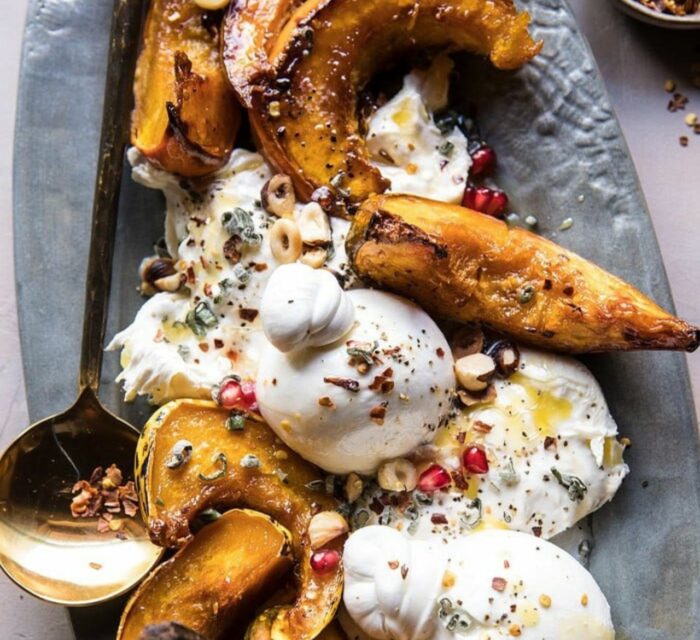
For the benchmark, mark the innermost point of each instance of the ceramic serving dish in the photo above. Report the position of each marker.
(562, 155)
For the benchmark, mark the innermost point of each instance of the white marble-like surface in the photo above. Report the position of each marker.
(635, 61)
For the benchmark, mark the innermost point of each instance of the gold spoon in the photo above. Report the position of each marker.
(42, 548)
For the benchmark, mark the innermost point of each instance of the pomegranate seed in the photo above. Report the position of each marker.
(492, 202)
(433, 478)
(325, 560)
(483, 161)
(230, 394)
(474, 460)
(248, 392)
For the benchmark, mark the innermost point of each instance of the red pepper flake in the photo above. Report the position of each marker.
(393, 564)
(440, 352)
(345, 383)
(218, 344)
(481, 427)
(550, 443)
(378, 413)
(499, 584)
(683, 141)
(404, 571)
(203, 346)
(260, 266)
(438, 518)
(506, 564)
(461, 437)
(190, 274)
(104, 495)
(248, 314)
(459, 480)
(207, 290)
(537, 531)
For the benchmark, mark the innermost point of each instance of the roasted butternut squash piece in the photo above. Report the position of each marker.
(261, 629)
(250, 28)
(211, 583)
(469, 267)
(305, 119)
(185, 117)
(246, 467)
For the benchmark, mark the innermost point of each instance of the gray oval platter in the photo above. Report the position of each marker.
(562, 155)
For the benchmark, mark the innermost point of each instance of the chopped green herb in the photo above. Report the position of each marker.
(508, 475)
(446, 148)
(236, 421)
(239, 222)
(183, 352)
(209, 515)
(225, 285)
(200, 319)
(454, 618)
(249, 461)
(575, 486)
(472, 514)
(242, 274)
(159, 502)
(284, 477)
(180, 454)
(527, 294)
(221, 460)
(363, 350)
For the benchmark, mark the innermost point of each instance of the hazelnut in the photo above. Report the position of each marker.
(314, 258)
(506, 355)
(472, 398)
(353, 487)
(314, 227)
(285, 241)
(326, 527)
(159, 274)
(475, 371)
(466, 341)
(397, 475)
(277, 196)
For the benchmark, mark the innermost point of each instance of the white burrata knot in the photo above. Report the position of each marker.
(305, 307)
(496, 584)
(345, 414)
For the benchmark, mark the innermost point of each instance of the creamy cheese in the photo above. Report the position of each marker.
(376, 393)
(167, 356)
(409, 149)
(548, 419)
(493, 584)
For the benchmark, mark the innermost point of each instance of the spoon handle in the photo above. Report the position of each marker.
(123, 50)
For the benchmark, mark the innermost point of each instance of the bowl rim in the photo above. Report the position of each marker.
(657, 17)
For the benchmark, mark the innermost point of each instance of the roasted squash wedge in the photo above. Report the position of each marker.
(250, 28)
(466, 266)
(305, 120)
(212, 583)
(248, 468)
(185, 117)
(261, 629)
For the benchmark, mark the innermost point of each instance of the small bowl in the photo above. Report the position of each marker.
(650, 16)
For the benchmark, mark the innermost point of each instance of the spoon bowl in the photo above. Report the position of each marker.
(43, 548)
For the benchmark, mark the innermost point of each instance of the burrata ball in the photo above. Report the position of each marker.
(377, 393)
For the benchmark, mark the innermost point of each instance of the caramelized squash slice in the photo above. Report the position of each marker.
(250, 28)
(248, 468)
(306, 120)
(466, 266)
(185, 117)
(212, 583)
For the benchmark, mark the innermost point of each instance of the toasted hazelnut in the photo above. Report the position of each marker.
(466, 341)
(472, 398)
(170, 283)
(314, 258)
(285, 241)
(474, 372)
(397, 475)
(155, 268)
(353, 487)
(277, 196)
(325, 527)
(314, 227)
(506, 355)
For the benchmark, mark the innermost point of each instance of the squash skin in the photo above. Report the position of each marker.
(463, 265)
(185, 118)
(172, 499)
(211, 583)
(249, 31)
(330, 49)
